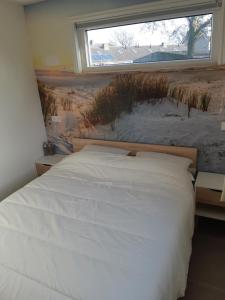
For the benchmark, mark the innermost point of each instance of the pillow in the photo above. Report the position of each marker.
(183, 162)
(105, 149)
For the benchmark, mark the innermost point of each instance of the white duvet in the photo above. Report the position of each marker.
(98, 226)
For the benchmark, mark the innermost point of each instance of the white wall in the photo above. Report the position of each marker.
(21, 124)
(52, 33)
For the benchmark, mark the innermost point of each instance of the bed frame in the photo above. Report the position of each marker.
(188, 152)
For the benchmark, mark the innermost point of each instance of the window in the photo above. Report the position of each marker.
(166, 40)
(148, 39)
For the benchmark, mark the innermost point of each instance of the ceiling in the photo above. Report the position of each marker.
(26, 2)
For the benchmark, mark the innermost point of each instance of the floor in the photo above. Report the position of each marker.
(206, 279)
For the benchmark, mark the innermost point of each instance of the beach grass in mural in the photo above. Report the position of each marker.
(123, 94)
(174, 107)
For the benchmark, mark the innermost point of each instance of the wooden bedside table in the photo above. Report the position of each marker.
(44, 163)
(210, 195)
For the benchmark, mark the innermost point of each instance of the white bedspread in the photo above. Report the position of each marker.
(97, 227)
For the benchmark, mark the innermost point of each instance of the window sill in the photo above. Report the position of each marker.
(154, 66)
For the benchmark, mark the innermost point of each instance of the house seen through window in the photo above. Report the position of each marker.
(181, 38)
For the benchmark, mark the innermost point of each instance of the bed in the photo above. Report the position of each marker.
(99, 226)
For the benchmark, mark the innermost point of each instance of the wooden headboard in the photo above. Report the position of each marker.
(135, 147)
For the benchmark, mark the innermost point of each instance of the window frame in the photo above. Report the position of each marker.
(82, 53)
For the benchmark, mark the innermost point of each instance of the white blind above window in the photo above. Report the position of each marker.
(144, 12)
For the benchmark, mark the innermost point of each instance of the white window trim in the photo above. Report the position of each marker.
(156, 10)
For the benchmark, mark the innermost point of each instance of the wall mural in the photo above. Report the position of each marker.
(182, 108)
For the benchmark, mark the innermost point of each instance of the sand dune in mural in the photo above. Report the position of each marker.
(180, 108)
(164, 123)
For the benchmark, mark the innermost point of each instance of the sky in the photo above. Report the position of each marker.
(141, 35)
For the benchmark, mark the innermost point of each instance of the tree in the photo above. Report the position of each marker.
(192, 30)
(197, 28)
(124, 38)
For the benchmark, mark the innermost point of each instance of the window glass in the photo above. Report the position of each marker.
(166, 40)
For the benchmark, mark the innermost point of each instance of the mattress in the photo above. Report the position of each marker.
(98, 226)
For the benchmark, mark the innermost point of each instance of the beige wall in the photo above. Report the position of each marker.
(21, 124)
(52, 33)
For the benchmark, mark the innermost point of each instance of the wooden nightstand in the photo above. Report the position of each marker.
(44, 163)
(210, 195)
